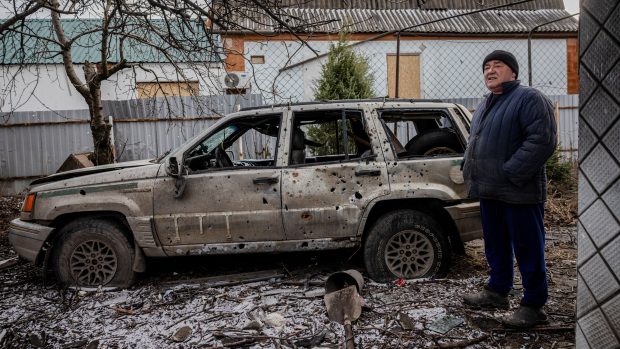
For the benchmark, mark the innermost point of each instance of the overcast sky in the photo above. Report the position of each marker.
(572, 6)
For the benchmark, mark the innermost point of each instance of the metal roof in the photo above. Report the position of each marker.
(415, 4)
(378, 21)
(34, 42)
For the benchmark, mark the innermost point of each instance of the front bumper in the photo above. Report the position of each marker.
(466, 216)
(28, 238)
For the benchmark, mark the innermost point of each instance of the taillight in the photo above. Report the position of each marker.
(29, 202)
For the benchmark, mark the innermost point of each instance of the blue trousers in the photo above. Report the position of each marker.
(519, 228)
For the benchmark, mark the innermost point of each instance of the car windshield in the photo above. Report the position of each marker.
(210, 142)
(218, 137)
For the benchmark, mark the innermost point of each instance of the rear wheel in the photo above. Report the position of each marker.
(406, 244)
(93, 253)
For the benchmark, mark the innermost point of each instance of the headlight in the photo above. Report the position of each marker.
(28, 205)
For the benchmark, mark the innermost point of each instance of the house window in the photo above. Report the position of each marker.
(167, 89)
(257, 59)
(409, 72)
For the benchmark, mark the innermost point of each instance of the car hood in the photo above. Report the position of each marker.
(90, 170)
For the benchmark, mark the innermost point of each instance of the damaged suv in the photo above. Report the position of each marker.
(382, 175)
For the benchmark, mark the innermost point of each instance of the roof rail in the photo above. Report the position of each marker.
(335, 101)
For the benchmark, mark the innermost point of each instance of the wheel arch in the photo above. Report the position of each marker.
(62, 220)
(433, 207)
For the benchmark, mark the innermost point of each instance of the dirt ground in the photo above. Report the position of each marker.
(273, 301)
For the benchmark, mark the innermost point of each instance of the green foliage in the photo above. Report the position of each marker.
(345, 75)
(558, 170)
(328, 135)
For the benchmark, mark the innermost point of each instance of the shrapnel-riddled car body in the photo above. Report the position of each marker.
(381, 174)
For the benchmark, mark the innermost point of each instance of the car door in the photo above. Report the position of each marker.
(231, 190)
(426, 152)
(326, 185)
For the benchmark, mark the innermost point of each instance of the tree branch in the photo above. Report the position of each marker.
(282, 23)
(66, 53)
(37, 5)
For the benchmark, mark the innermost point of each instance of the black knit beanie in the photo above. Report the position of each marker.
(505, 57)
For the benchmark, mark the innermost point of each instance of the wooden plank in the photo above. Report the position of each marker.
(166, 89)
(409, 84)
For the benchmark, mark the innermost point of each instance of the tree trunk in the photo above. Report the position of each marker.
(103, 149)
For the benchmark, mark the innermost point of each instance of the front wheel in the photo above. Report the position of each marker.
(93, 253)
(406, 244)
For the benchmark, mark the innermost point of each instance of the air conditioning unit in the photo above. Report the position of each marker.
(236, 81)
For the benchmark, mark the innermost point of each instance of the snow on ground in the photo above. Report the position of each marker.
(176, 306)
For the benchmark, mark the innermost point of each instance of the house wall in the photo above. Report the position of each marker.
(450, 68)
(47, 87)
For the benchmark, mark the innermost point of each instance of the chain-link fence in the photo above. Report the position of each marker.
(449, 70)
(429, 69)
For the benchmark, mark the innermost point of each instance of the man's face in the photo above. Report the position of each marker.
(495, 73)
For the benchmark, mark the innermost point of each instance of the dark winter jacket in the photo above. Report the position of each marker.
(512, 135)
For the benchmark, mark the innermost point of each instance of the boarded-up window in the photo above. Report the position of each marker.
(257, 59)
(165, 89)
(409, 83)
(572, 65)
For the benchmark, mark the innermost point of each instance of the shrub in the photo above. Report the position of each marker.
(558, 169)
(345, 75)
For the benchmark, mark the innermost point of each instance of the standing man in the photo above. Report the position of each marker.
(513, 132)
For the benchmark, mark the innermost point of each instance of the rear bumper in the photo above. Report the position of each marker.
(27, 238)
(466, 217)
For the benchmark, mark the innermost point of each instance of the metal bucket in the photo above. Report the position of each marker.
(342, 279)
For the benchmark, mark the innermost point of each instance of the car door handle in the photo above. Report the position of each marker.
(370, 173)
(265, 180)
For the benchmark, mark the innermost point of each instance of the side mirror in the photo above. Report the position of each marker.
(172, 167)
(173, 170)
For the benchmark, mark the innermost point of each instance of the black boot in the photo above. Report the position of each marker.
(526, 317)
(486, 299)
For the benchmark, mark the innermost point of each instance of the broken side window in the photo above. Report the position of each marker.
(421, 133)
(248, 141)
(327, 136)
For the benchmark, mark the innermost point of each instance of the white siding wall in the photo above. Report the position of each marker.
(450, 68)
(47, 87)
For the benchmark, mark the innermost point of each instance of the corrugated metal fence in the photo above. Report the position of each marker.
(34, 144)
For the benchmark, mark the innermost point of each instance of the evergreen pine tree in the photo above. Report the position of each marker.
(345, 75)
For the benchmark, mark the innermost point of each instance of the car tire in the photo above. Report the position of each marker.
(435, 142)
(93, 253)
(406, 244)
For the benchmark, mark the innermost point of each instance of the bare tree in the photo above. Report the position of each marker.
(20, 11)
(177, 32)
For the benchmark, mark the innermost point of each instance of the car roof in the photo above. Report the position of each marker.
(352, 103)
